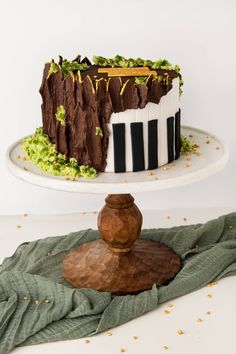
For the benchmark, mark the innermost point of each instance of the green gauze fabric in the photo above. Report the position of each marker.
(34, 272)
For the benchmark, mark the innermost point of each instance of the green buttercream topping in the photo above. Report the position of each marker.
(140, 79)
(99, 131)
(68, 68)
(186, 145)
(42, 153)
(120, 61)
(60, 114)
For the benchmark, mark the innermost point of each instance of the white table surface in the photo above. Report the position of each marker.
(215, 334)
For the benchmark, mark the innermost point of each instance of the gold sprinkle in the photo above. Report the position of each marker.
(208, 142)
(24, 158)
(168, 217)
(150, 173)
(166, 168)
(36, 302)
(208, 312)
(18, 226)
(166, 312)
(190, 135)
(125, 181)
(109, 334)
(180, 332)
(49, 253)
(209, 296)
(67, 178)
(170, 305)
(230, 227)
(156, 177)
(84, 212)
(122, 350)
(25, 214)
(165, 347)
(199, 320)
(135, 337)
(26, 169)
(197, 153)
(195, 247)
(187, 165)
(46, 301)
(25, 298)
(217, 148)
(87, 341)
(18, 156)
(184, 219)
(213, 283)
(188, 158)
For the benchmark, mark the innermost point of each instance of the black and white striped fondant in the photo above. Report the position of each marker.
(145, 139)
(137, 144)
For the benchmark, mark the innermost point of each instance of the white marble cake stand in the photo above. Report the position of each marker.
(114, 264)
(214, 156)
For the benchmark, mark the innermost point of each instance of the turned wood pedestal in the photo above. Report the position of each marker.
(120, 262)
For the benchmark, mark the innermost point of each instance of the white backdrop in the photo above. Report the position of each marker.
(198, 35)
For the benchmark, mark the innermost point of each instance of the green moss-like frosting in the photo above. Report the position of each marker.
(42, 153)
(99, 131)
(186, 145)
(60, 114)
(120, 61)
(140, 80)
(68, 68)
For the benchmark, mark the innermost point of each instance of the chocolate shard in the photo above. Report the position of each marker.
(156, 91)
(86, 61)
(77, 58)
(142, 92)
(129, 96)
(114, 88)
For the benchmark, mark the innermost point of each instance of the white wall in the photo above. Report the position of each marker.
(198, 35)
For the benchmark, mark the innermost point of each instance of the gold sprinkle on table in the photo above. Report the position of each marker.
(18, 226)
(109, 334)
(180, 332)
(213, 283)
(165, 347)
(25, 214)
(230, 227)
(156, 177)
(135, 337)
(166, 312)
(217, 148)
(87, 341)
(208, 142)
(187, 165)
(184, 219)
(46, 301)
(150, 173)
(168, 217)
(199, 320)
(26, 169)
(170, 305)
(36, 302)
(25, 298)
(18, 156)
(209, 296)
(122, 350)
(208, 312)
(49, 253)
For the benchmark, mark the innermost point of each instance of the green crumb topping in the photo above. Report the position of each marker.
(99, 131)
(120, 61)
(186, 145)
(60, 114)
(68, 68)
(42, 153)
(140, 79)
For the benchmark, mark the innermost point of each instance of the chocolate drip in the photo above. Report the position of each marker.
(88, 107)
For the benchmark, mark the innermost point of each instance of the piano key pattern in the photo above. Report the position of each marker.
(136, 132)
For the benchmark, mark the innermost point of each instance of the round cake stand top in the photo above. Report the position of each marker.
(187, 169)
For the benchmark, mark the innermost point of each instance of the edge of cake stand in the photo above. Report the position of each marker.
(214, 154)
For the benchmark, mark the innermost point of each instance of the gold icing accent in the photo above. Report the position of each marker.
(139, 71)
(91, 82)
(123, 87)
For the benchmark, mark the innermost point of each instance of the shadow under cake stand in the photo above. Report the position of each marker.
(120, 262)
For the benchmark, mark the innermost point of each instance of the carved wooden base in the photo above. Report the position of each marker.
(118, 263)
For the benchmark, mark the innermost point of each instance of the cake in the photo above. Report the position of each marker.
(116, 115)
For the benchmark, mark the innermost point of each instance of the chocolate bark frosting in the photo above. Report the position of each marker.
(89, 98)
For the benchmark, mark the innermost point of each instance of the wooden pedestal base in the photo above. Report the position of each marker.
(118, 263)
